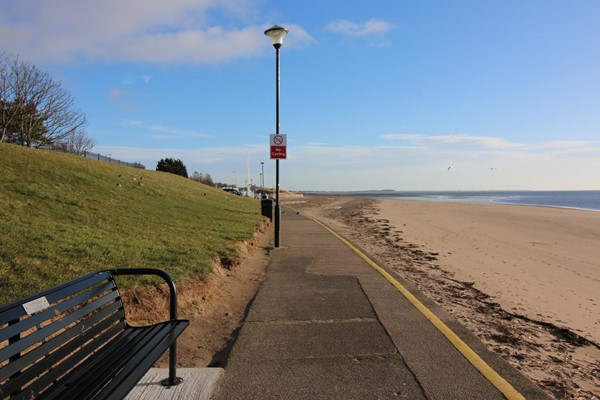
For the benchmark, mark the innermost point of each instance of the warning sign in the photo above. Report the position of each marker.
(278, 145)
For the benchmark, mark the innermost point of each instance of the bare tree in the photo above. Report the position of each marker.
(77, 142)
(202, 178)
(35, 110)
(8, 111)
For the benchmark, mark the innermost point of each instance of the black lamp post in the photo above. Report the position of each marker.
(276, 34)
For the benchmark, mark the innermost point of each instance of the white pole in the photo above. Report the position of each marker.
(248, 174)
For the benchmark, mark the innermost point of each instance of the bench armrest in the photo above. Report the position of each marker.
(172, 380)
(158, 272)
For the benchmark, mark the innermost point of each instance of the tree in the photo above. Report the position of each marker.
(202, 178)
(173, 166)
(35, 110)
(77, 142)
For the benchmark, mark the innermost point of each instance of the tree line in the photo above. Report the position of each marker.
(35, 111)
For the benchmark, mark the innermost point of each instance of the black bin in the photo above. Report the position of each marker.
(266, 208)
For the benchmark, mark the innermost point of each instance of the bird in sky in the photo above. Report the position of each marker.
(449, 168)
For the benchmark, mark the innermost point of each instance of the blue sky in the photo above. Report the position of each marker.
(395, 94)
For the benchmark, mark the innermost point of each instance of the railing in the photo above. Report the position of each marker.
(96, 156)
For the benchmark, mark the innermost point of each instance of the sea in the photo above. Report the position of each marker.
(576, 199)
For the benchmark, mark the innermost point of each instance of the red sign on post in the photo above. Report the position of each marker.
(278, 147)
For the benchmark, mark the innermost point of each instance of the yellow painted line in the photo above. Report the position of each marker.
(492, 376)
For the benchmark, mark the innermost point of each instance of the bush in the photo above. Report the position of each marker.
(173, 166)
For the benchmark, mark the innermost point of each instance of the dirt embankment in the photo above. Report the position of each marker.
(214, 303)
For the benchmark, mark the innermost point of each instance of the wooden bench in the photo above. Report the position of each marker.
(73, 342)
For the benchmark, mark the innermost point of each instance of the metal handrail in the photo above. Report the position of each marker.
(172, 380)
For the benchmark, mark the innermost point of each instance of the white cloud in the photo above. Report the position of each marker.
(403, 136)
(298, 37)
(483, 141)
(421, 162)
(486, 145)
(367, 28)
(422, 166)
(425, 167)
(462, 139)
(569, 144)
(167, 132)
(134, 79)
(123, 99)
(149, 31)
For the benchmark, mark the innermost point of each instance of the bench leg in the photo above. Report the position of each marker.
(173, 379)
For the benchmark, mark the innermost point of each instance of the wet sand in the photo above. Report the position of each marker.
(526, 280)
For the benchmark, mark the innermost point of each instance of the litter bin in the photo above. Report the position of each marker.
(266, 207)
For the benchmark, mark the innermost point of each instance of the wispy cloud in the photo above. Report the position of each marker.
(367, 28)
(123, 99)
(420, 164)
(146, 31)
(298, 37)
(569, 144)
(464, 142)
(462, 139)
(371, 33)
(133, 79)
(165, 132)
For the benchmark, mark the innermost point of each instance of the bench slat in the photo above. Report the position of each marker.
(122, 364)
(122, 384)
(53, 375)
(14, 311)
(51, 312)
(51, 329)
(109, 357)
(37, 367)
(108, 360)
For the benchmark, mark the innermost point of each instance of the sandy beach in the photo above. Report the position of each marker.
(526, 280)
(537, 261)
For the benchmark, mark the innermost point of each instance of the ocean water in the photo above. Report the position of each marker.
(584, 200)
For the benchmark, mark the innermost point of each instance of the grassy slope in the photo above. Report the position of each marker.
(62, 216)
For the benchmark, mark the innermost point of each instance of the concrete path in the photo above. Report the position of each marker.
(326, 325)
(198, 384)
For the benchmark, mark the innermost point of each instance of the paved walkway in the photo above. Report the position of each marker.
(326, 325)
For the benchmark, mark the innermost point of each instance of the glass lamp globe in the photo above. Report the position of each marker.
(276, 33)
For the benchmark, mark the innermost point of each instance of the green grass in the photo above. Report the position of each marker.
(62, 216)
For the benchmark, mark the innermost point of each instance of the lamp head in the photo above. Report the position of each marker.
(276, 33)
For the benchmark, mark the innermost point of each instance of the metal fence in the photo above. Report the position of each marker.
(96, 156)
